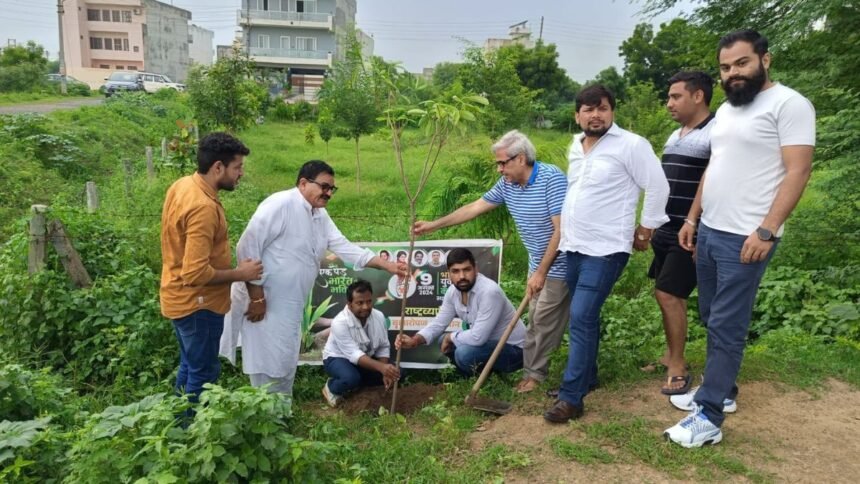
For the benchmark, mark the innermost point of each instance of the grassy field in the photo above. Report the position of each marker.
(12, 98)
(445, 441)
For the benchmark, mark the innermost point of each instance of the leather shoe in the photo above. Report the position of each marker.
(562, 412)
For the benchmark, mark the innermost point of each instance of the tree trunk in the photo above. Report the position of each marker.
(357, 169)
(412, 219)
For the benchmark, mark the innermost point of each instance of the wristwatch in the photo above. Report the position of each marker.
(641, 237)
(765, 234)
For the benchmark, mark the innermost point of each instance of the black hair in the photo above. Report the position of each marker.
(360, 286)
(221, 147)
(758, 41)
(593, 95)
(383, 250)
(695, 81)
(460, 255)
(311, 169)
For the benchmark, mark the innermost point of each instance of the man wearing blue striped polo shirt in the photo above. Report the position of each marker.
(534, 194)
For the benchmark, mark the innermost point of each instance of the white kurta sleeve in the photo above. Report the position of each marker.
(268, 222)
(346, 250)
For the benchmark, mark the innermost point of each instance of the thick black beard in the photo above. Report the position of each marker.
(467, 289)
(595, 133)
(227, 187)
(741, 96)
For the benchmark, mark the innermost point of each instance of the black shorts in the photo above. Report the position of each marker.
(673, 268)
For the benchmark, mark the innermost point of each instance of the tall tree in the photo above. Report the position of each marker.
(538, 70)
(678, 45)
(351, 97)
(495, 77)
(612, 79)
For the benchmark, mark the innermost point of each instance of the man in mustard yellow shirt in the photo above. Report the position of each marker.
(196, 270)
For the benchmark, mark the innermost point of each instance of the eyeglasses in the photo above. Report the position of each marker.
(503, 163)
(325, 186)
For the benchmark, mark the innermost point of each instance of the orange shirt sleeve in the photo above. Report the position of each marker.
(200, 225)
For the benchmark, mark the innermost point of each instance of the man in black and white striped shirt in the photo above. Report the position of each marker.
(685, 158)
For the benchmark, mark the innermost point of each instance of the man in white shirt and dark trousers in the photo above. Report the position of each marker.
(485, 312)
(761, 158)
(608, 169)
(357, 351)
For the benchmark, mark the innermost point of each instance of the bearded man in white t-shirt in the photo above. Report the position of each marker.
(761, 158)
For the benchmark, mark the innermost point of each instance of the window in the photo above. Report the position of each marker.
(263, 41)
(96, 43)
(93, 15)
(125, 45)
(120, 68)
(306, 43)
(265, 4)
(136, 49)
(132, 68)
(285, 42)
(308, 6)
(126, 16)
(105, 15)
(104, 66)
(117, 44)
(115, 15)
(108, 44)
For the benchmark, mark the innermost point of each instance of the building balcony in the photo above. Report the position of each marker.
(116, 55)
(270, 18)
(291, 57)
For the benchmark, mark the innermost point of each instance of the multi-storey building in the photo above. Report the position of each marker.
(200, 50)
(101, 36)
(298, 38)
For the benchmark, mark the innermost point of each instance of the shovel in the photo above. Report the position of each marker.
(488, 404)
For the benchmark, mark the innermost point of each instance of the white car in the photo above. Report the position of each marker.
(156, 82)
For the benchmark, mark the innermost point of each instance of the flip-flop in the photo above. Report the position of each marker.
(675, 379)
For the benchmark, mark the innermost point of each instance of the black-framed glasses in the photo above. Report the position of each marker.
(500, 163)
(325, 186)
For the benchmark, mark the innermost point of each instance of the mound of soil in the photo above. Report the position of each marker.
(409, 399)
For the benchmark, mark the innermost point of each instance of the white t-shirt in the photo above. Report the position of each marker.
(746, 167)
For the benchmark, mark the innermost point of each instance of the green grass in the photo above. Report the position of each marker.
(582, 453)
(13, 98)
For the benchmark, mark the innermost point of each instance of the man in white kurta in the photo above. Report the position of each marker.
(290, 232)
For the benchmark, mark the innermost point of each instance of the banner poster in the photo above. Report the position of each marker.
(427, 286)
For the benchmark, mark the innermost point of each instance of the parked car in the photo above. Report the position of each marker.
(155, 82)
(121, 81)
(52, 78)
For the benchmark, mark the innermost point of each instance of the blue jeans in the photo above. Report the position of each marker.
(727, 291)
(199, 335)
(346, 377)
(470, 360)
(590, 279)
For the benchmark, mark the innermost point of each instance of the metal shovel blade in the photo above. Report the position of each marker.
(497, 407)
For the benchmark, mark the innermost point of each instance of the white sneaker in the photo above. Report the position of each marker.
(330, 398)
(685, 402)
(694, 430)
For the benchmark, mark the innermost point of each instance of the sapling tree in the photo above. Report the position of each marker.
(450, 113)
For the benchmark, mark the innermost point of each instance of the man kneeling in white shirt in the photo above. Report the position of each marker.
(357, 351)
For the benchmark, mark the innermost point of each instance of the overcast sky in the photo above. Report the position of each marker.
(418, 33)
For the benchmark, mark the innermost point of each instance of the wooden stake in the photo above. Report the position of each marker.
(129, 174)
(36, 255)
(68, 255)
(164, 148)
(92, 197)
(150, 167)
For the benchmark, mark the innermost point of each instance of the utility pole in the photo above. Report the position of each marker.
(540, 35)
(63, 89)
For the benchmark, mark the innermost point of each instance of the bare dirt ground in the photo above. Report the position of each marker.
(783, 434)
(410, 399)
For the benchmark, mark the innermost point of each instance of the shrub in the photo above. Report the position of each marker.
(25, 395)
(236, 436)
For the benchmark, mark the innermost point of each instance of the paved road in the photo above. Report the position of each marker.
(50, 106)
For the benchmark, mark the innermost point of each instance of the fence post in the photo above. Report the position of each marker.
(164, 148)
(69, 256)
(129, 174)
(36, 254)
(150, 167)
(196, 134)
(92, 197)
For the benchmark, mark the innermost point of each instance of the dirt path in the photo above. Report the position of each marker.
(47, 107)
(778, 434)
